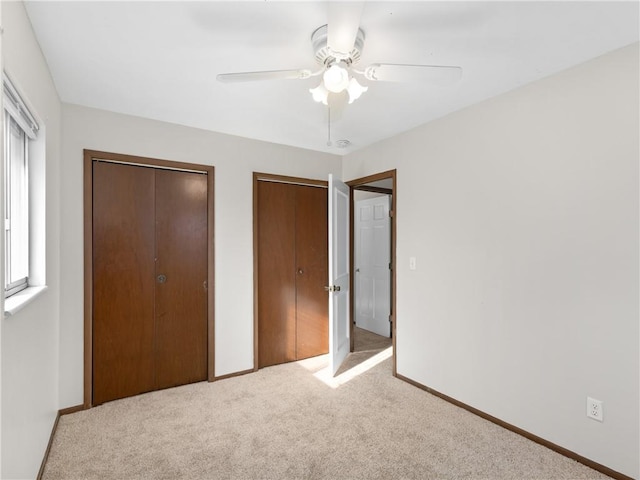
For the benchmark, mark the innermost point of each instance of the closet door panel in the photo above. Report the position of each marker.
(312, 272)
(180, 276)
(123, 281)
(276, 274)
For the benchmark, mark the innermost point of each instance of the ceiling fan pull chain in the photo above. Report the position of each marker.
(328, 126)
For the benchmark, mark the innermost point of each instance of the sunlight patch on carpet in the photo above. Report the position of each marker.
(326, 377)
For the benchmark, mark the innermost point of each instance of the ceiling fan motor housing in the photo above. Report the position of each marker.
(325, 56)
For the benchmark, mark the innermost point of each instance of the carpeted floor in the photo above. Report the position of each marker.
(293, 421)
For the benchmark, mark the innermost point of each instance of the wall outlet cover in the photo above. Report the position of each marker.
(594, 409)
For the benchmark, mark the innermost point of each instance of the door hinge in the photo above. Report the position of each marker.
(204, 284)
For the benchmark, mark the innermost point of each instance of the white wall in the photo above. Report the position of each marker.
(1, 247)
(234, 159)
(30, 337)
(523, 214)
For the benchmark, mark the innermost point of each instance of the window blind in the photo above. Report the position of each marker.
(17, 109)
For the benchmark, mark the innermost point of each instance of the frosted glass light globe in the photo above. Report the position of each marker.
(320, 94)
(336, 78)
(355, 90)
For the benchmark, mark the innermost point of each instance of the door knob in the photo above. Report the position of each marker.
(300, 271)
(162, 278)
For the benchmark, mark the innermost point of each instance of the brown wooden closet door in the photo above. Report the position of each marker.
(148, 332)
(312, 305)
(276, 274)
(123, 281)
(181, 299)
(293, 306)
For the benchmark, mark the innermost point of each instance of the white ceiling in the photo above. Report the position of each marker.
(160, 59)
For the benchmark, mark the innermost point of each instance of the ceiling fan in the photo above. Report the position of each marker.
(337, 47)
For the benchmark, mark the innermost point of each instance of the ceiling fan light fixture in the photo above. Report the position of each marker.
(355, 90)
(336, 78)
(320, 94)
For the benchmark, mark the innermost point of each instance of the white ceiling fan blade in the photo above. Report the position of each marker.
(267, 75)
(432, 74)
(343, 25)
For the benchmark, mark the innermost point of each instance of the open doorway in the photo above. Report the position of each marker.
(373, 244)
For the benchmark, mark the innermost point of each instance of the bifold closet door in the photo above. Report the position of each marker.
(276, 274)
(181, 299)
(123, 281)
(312, 302)
(149, 285)
(292, 271)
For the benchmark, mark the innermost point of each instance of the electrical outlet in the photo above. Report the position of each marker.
(594, 409)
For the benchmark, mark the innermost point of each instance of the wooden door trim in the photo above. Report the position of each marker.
(360, 184)
(268, 177)
(89, 156)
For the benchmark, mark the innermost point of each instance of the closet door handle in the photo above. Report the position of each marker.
(162, 278)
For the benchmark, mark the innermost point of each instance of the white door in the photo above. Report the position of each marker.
(372, 257)
(338, 273)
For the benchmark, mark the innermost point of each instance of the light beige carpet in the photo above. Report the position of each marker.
(285, 422)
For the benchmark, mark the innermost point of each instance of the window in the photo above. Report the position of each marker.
(20, 130)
